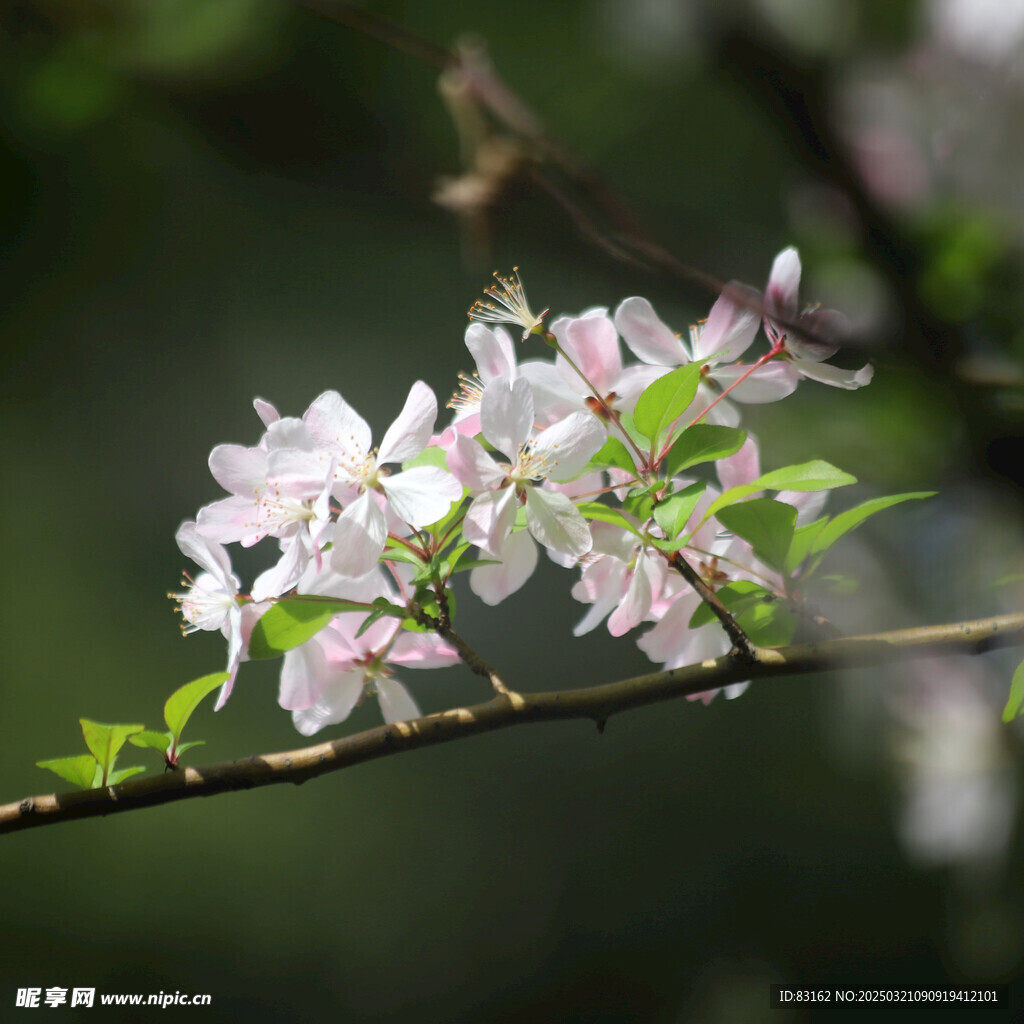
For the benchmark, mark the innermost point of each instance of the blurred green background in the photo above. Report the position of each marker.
(208, 200)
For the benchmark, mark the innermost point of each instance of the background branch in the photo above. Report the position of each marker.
(597, 703)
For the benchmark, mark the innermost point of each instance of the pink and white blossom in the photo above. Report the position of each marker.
(211, 601)
(590, 345)
(620, 579)
(418, 496)
(326, 677)
(494, 355)
(558, 453)
(805, 355)
(720, 342)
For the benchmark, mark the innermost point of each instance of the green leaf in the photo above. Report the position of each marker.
(466, 564)
(800, 546)
(730, 497)
(80, 771)
(674, 512)
(124, 773)
(105, 741)
(395, 551)
(427, 600)
(769, 623)
(1015, 704)
(292, 622)
(630, 429)
(376, 616)
(154, 740)
(840, 584)
(183, 702)
(613, 454)
(182, 747)
(767, 524)
(676, 544)
(765, 618)
(815, 475)
(639, 501)
(808, 476)
(430, 456)
(852, 518)
(703, 442)
(381, 607)
(735, 596)
(666, 399)
(596, 512)
(1013, 577)
(449, 565)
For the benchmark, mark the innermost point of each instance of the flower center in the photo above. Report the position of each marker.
(467, 398)
(531, 464)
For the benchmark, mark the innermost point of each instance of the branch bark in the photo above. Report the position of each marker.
(597, 703)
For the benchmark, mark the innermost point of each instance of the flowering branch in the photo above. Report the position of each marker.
(597, 703)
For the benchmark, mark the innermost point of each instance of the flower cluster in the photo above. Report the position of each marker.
(625, 470)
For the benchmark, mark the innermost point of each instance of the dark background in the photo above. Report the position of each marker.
(207, 200)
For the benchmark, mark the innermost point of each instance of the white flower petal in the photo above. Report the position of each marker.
(409, 434)
(489, 519)
(784, 284)
(518, 559)
(731, 324)
(634, 605)
(280, 578)
(556, 522)
(396, 703)
(288, 432)
(834, 376)
(229, 520)
(303, 676)
(601, 585)
(492, 351)
(506, 414)
(238, 469)
(769, 383)
(299, 474)
(421, 495)
(593, 345)
(336, 427)
(569, 445)
(335, 705)
(473, 466)
(646, 335)
(204, 552)
(266, 412)
(359, 537)
(552, 396)
(672, 634)
(225, 691)
(422, 650)
(740, 468)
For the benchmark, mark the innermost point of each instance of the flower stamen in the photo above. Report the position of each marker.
(509, 306)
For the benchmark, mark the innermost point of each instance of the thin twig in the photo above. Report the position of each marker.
(626, 240)
(743, 646)
(597, 703)
(442, 625)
